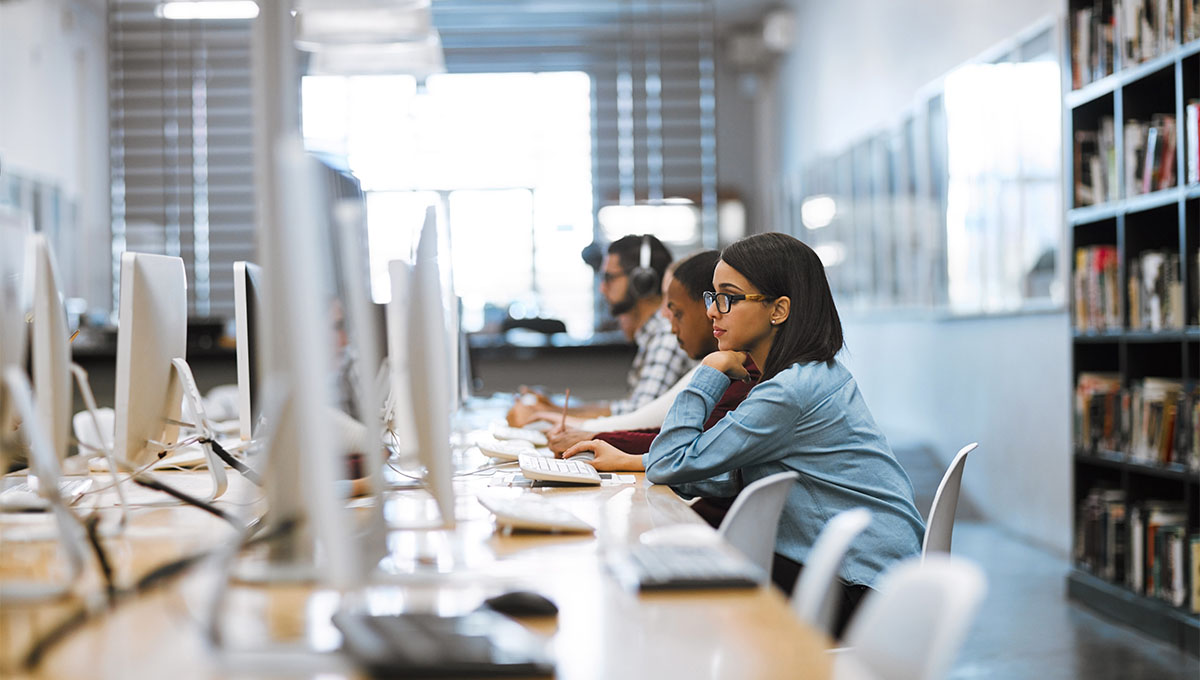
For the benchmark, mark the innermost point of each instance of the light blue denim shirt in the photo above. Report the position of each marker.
(809, 418)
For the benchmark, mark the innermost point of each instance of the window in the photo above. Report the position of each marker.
(506, 158)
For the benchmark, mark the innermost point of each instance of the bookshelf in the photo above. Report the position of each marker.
(1131, 108)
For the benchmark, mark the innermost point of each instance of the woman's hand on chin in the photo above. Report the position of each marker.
(729, 363)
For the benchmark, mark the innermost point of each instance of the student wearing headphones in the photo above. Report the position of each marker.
(771, 302)
(631, 283)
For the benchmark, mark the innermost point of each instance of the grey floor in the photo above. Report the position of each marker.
(1026, 627)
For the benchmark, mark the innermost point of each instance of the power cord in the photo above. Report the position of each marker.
(232, 462)
(157, 576)
(152, 483)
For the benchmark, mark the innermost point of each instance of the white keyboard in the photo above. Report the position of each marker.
(542, 469)
(505, 449)
(532, 436)
(21, 496)
(534, 514)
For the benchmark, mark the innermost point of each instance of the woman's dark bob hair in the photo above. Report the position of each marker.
(695, 273)
(777, 265)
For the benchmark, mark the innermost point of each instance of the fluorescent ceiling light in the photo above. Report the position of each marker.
(418, 59)
(351, 24)
(207, 9)
(818, 211)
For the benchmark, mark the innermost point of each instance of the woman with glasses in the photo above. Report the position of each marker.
(771, 302)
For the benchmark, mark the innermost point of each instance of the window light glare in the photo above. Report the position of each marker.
(207, 9)
(818, 211)
(673, 223)
(831, 254)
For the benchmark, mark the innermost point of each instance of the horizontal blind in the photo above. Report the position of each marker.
(651, 63)
(180, 147)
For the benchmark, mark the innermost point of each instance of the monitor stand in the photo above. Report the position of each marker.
(89, 400)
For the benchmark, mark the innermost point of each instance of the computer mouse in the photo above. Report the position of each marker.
(522, 603)
(584, 456)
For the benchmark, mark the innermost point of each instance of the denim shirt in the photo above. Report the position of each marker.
(810, 418)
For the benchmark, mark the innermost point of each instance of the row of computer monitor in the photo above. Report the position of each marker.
(283, 355)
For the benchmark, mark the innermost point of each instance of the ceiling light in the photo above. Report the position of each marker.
(207, 9)
(818, 211)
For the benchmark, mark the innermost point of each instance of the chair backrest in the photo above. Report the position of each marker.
(814, 599)
(753, 520)
(913, 627)
(940, 526)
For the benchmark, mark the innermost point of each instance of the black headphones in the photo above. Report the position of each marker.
(643, 280)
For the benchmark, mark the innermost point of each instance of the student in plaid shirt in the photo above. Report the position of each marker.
(631, 282)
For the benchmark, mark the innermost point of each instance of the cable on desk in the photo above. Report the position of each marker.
(155, 577)
(152, 483)
(233, 462)
(92, 524)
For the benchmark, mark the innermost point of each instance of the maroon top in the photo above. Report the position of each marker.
(638, 441)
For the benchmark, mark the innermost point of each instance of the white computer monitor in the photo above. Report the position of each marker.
(304, 463)
(151, 332)
(418, 295)
(247, 306)
(50, 350)
(13, 232)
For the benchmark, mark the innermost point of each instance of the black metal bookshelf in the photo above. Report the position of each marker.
(1166, 218)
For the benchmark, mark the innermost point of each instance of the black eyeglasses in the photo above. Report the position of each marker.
(609, 277)
(725, 300)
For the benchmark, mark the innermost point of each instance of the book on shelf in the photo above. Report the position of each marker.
(1093, 42)
(1155, 291)
(1097, 304)
(1194, 571)
(1144, 545)
(1096, 164)
(1191, 20)
(1099, 411)
(1146, 28)
(1192, 139)
(1161, 422)
(1149, 154)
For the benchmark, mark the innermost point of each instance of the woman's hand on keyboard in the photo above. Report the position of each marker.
(562, 439)
(608, 457)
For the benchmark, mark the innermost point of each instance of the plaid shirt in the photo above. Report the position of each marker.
(659, 363)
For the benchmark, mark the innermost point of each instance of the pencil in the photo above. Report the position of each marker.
(566, 398)
(73, 335)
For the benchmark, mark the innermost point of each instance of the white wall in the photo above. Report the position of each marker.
(54, 123)
(1004, 381)
(1001, 381)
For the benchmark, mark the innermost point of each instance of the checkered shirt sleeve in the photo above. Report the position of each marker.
(658, 365)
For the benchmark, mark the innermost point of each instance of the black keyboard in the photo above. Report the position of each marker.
(666, 567)
(482, 643)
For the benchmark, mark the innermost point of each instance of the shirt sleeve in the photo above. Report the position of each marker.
(753, 433)
(649, 416)
(664, 363)
(630, 441)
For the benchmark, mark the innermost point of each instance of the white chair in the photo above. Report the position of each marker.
(814, 598)
(913, 627)
(940, 525)
(753, 520)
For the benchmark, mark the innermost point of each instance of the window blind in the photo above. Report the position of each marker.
(651, 63)
(180, 147)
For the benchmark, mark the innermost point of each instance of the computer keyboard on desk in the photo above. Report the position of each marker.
(533, 514)
(21, 496)
(539, 468)
(665, 566)
(479, 644)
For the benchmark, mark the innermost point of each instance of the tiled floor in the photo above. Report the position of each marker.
(1026, 628)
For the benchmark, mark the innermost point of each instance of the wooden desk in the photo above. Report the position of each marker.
(602, 630)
